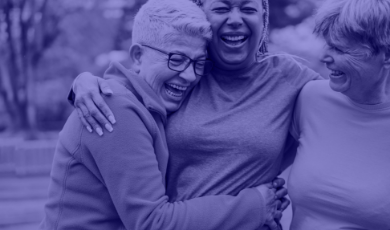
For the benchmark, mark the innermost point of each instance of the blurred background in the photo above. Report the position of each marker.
(45, 44)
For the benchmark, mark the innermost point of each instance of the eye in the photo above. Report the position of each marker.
(177, 60)
(338, 50)
(249, 10)
(221, 10)
(200, 65)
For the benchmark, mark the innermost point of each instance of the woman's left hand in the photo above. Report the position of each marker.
(281, 193)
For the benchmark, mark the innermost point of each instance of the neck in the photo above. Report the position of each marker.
(232, 70)
(377, 94)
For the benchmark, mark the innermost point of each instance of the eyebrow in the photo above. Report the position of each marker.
(244, 2)
(204, 55)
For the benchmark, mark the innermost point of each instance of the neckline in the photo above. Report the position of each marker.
(380, 106)
(218, 71)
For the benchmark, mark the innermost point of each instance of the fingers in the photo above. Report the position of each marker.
(104, 88)
(89, 117)
(285, 203)
(273, 225)
(282, 192)
(95, 108)
(96, 118)
(85, 123)
(106, 112)
(278, 216)
(278, 204)
(280, 227)
(278, 182)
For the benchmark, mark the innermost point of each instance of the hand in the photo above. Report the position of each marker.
(271, 200)
(281, 193)
(90, 106)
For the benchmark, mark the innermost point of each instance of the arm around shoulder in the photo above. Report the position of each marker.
(127, 162)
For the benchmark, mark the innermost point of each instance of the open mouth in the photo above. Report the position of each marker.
(336, 74)
(175, 90)
(234, 40)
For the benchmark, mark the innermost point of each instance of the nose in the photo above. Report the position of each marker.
(235, 19)
(188, 74)
(326, 57)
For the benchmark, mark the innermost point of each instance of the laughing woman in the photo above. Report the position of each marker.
(231, 131)
(340, 177)
(118, 181)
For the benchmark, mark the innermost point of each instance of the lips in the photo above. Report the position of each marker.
(335, 74)
(234, 40)
(175, 90)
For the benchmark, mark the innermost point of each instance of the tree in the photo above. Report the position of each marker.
(28, 28)
(290, 12)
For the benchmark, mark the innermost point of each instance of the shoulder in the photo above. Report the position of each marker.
(122, 98)
(317, 94)
(129, 113)
(316, 88)
(289, 69)
(124, 104)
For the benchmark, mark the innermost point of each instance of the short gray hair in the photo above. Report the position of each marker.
(363, 21)
(158, 20)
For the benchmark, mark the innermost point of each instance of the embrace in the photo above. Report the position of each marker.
(204, 121)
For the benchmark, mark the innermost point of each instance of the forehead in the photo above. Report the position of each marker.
(234, 2)
(191, 46)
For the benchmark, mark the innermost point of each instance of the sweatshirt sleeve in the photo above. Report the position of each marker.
(129, 169)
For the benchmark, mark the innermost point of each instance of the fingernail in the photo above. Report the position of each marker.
(89, 129)
(112, 119)
(108, 127)
(99, 131)
(109, 92)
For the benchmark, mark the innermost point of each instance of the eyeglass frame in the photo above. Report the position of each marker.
(170, 54)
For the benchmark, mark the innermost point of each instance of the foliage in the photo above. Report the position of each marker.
(45, 44)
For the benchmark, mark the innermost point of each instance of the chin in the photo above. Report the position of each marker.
(341, 88)
(172, 107)
(234, 59)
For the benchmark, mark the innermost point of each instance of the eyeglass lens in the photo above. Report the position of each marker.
(179, 62)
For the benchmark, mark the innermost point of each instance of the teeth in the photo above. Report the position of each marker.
(173, 94)
(183, 88)
(337, 73)
(233, 38)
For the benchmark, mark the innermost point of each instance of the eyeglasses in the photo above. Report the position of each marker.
(180, 62)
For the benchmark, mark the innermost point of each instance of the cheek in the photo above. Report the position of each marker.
(354, 65)
(255, 23)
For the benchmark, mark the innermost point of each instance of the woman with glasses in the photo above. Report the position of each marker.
(231, 131)
(118, 181)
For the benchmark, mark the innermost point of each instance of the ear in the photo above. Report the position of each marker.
(136, 53)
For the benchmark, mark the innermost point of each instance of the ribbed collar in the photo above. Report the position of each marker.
(138, 86)
(381, 106)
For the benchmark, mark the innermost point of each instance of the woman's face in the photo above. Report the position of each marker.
(237, 27)
(172, 86)
(354, 72)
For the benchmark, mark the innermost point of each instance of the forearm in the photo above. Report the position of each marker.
(244, 211)
(127, 162)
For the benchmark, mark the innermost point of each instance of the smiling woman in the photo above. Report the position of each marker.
(237, 26)
(231, 131)
(343, 130)
(358, 42)
(119, 181)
